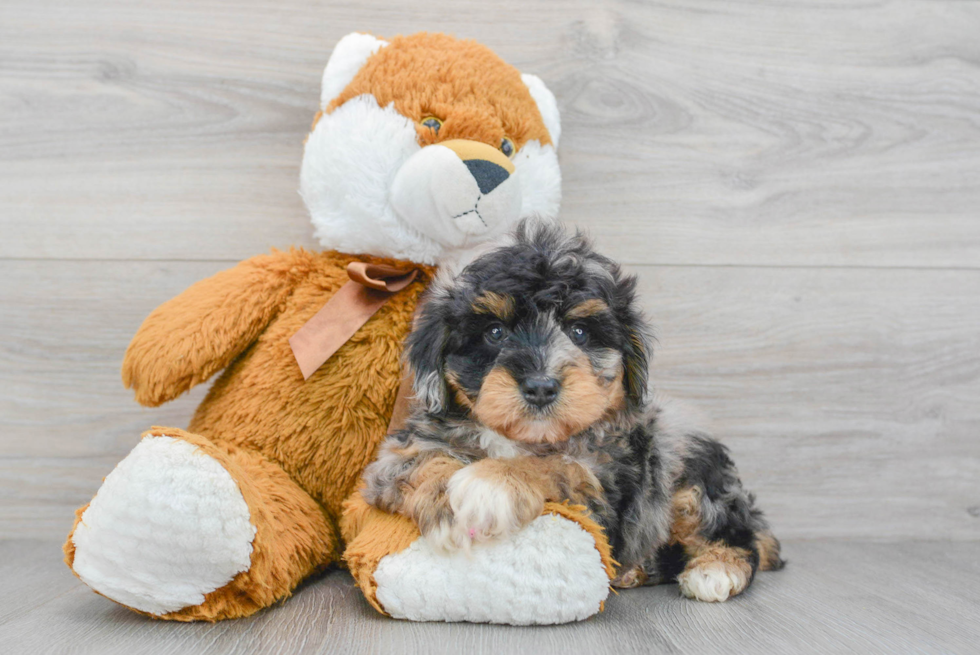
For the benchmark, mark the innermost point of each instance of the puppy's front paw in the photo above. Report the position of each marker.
(488, 507)
(713, 581)
(439, 535)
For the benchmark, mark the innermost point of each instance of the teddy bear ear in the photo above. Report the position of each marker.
(350, 53)
(545, 100)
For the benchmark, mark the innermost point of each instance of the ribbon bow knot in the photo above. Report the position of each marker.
(370, 286)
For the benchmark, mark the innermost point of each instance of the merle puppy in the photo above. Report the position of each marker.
(531, 386)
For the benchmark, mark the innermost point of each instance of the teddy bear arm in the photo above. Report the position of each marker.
(189, 338)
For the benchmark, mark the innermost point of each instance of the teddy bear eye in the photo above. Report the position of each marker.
(507, 147)
(432, 123)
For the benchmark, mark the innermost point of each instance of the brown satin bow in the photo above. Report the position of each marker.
(370, 286)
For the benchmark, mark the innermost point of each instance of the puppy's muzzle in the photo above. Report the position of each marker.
(456, 189)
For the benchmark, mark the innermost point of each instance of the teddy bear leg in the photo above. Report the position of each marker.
(187, 529)
(555, 570)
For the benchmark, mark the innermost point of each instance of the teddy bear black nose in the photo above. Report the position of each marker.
(488, 175)
(540, 391)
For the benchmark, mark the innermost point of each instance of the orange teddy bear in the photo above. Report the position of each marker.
(425, 149)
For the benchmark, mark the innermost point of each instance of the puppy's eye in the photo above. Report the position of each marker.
(495, 334)
(578, 334)
(507, 147)
(432, 123)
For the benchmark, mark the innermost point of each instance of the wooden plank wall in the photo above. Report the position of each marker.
(796, 184)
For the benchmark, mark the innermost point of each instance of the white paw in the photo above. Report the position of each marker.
(168, 526)
(712, 582)
(483, 509)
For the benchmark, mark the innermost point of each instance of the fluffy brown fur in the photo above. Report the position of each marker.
(433, 75)
(296, 448)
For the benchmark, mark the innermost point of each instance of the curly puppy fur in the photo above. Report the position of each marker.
(531, 386)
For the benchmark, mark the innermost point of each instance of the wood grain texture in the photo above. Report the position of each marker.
(846, 396)
(832, 133)
(796, 185)
(833, 598)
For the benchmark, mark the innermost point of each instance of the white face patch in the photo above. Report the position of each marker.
(436, 193)
(371, 188)
(349, 165)
(562, 353)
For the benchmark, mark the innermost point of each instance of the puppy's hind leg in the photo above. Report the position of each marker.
(723, 537)
(713, 571)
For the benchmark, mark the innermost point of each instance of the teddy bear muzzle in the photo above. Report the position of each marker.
(457, 189)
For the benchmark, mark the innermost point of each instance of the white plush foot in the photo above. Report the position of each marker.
(712, 582)
(549, 572)
(168, 526)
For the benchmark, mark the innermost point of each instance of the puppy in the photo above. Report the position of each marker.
(531, 386)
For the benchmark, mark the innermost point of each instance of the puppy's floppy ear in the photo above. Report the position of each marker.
(426, 346)
(636, 347)
(636, 363)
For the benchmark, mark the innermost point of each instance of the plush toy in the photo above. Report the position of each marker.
(425, 149)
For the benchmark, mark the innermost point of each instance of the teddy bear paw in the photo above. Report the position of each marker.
(168, 526)
(550, 572)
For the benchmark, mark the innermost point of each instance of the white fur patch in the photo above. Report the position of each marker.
(349, 165)
(540, 177)
(546, 103)
(346, 60)
(435, 193)
(168, 526)
(548, 573)
(713, 582)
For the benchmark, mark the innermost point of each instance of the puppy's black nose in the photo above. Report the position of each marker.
(488, 175)
(540, 391)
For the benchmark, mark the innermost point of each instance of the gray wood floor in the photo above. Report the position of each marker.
(921, 597)
(797, 185)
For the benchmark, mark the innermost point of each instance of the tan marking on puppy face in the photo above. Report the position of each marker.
(590, 307)
(500, 305)
(499, 404)
(585, 397)
(453, 381)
